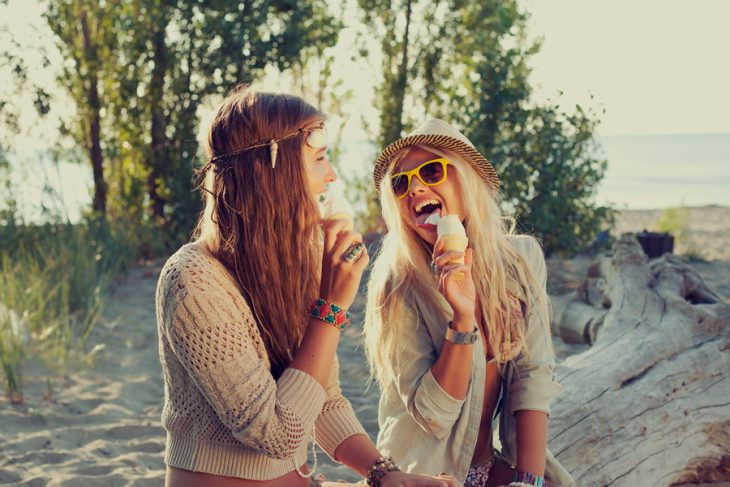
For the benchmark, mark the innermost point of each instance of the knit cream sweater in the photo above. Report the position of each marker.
(224, 413)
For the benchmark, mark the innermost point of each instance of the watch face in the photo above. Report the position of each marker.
(461, 338)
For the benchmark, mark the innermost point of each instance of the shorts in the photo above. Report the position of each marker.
(478, 475)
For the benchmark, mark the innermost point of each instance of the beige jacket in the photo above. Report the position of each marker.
(427, 430)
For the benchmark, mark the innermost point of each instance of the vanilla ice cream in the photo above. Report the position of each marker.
(336, 207)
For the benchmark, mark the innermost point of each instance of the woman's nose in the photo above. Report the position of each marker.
(416, 186)
(331, 176)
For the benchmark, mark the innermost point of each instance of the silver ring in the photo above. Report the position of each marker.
(354, 252)
(434, 267)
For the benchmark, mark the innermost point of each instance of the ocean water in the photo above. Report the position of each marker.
(644, 172)
(660, 171)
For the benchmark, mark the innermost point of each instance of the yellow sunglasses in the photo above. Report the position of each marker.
(430, 173)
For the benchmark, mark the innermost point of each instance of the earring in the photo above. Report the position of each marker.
(274, 147)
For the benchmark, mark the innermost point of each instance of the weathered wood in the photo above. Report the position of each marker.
(575, 321)
(649, 402)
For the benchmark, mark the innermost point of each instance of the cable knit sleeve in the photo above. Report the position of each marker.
(212, 333)
(337, 421)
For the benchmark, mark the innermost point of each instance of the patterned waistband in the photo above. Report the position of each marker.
(479, 474)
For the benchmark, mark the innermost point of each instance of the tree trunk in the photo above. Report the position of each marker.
(649, 402)
(93, 132)
(391, 115)
(402, 81)
(157, 153)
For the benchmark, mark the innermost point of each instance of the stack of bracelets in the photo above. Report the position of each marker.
(382, 466)
(330, 313)
(526, 479)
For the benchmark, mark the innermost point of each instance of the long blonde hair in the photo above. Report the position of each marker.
(401, 272)
(262, 222)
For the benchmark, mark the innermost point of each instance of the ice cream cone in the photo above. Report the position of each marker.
(453, 235)
(337, 208)
(457, 243)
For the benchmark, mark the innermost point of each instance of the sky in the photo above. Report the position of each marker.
(656, 66)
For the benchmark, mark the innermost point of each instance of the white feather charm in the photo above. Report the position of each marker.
(274, 147)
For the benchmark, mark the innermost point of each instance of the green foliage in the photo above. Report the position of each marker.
(153, 65)
(674, 221)
(395, 32)
(52, 281)
(549, 173)
(694, 256)
(467, 62)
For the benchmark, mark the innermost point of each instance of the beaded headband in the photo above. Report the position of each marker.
(317, 133)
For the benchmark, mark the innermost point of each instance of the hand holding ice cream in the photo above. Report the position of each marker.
(452, 270)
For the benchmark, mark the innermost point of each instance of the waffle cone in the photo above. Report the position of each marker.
(457, 243)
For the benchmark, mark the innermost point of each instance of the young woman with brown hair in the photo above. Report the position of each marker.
(250, 312)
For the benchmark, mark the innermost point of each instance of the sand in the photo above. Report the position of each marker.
(707, 229)
(706, 236)
(102, 427)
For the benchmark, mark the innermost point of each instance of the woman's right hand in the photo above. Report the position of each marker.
(402, 479)
(455, 281)
(340, 279)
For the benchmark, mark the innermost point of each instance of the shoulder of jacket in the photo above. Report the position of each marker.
(528, 246)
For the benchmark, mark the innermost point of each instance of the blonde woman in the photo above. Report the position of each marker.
(457, 347)
(250, 312)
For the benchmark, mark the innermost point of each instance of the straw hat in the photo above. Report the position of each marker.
(437, 133)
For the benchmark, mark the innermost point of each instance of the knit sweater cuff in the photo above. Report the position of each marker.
(302, 393)
(335, 426)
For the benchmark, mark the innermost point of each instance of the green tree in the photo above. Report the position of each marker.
(183, 52)
(469, 64)
(395, 32)
(546, 158)
(86, 39)
(393, 24)
(162, 60)
(21, 88)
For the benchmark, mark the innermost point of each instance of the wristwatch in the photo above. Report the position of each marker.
(460, 337)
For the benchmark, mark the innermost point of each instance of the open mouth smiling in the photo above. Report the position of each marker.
(423, 209)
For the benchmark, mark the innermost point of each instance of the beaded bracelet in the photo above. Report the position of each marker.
(382, 466)
(330, 313)
(527, 479)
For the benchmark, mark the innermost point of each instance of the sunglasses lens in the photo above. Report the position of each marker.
(317, 139)
(432, 173)
(400, 184)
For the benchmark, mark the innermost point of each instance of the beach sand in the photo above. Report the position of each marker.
(102, 427)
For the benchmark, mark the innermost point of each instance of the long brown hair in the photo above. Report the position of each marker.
(262, 222)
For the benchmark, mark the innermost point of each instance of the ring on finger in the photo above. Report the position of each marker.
(354, 252)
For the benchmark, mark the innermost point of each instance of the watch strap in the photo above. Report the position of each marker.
(460, 337)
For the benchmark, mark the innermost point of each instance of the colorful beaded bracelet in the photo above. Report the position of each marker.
(526, 478)
(330, 313)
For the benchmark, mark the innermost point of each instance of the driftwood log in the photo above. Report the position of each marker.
(648, 404)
